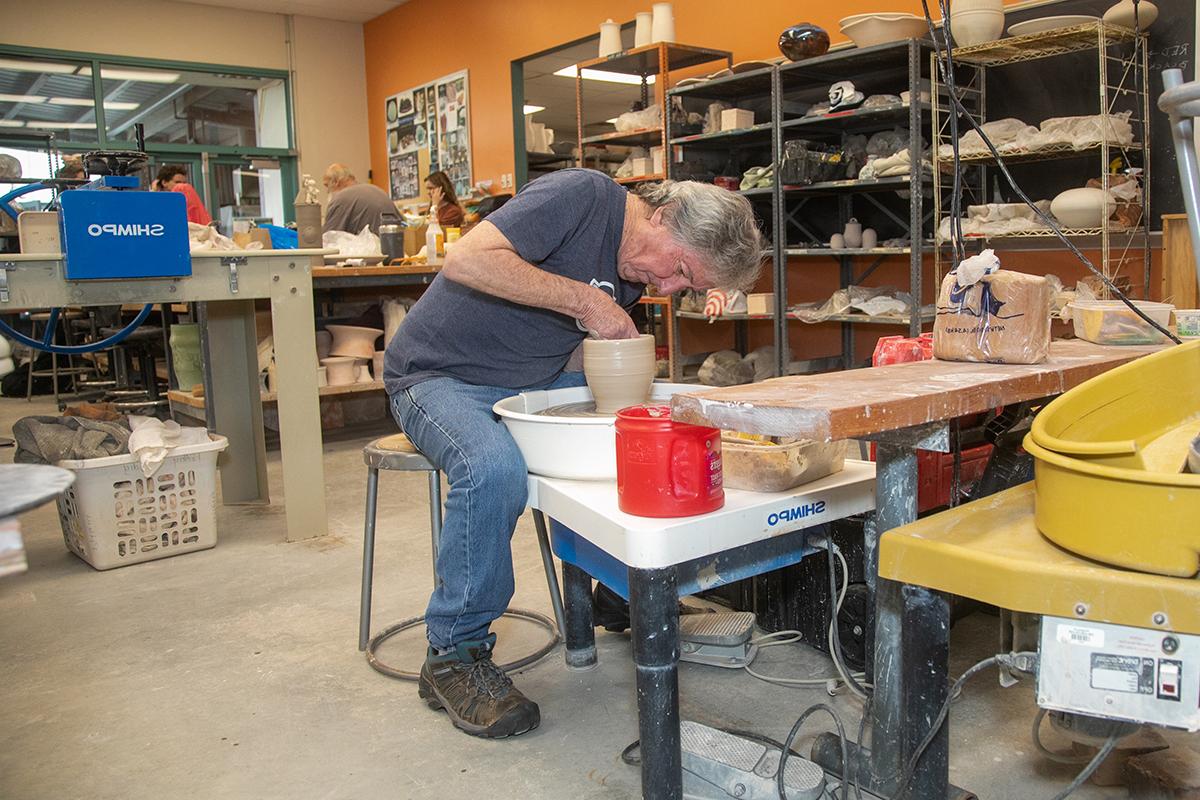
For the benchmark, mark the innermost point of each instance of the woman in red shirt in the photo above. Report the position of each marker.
(443, 200)
(172, 178)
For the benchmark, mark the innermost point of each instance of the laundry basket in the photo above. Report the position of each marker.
(113, 515)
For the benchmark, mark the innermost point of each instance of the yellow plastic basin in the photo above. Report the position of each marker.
(1108, 483)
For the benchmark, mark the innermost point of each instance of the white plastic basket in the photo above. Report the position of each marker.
(113, 515)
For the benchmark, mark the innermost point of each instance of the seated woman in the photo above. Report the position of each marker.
(443, 201)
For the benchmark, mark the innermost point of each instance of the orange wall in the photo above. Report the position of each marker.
(422, 40)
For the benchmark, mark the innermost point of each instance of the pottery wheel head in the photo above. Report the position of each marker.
(586, 408)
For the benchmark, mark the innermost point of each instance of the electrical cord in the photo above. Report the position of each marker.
(945, 61)
(791, 739)
(1047, 752)
(1105, 750)
(835, 644)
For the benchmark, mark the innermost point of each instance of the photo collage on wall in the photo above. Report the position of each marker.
(433, 118)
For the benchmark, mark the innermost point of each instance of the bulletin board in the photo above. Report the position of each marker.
(428, 129)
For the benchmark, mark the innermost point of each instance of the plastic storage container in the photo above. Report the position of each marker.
(113, 515)
(1112, 322)
(779, 467)
(1187, 320)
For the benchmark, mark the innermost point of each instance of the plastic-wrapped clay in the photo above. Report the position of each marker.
(725, 368)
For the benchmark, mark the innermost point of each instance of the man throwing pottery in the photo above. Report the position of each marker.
(567, 257)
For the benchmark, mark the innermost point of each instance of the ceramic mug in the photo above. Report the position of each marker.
(619, 371)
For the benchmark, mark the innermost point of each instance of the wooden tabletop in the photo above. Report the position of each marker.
(860, 402)
(357, 272)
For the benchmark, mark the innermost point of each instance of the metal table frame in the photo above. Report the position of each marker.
(227, 283)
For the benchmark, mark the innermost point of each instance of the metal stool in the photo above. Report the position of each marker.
(64, 324)
(132, 392)
(398, 453)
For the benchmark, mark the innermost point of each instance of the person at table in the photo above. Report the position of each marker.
(173, 178)
(567, 257)
(353, 205)
(443, 201)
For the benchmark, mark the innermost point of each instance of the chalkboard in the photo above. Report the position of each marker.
(1069, 85)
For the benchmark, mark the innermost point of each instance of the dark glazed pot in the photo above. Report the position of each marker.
(803, 41)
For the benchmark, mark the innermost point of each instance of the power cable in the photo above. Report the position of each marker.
(1105, 750)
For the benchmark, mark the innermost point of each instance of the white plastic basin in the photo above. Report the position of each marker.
(574, 448)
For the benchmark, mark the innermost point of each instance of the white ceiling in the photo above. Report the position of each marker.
(348, 10)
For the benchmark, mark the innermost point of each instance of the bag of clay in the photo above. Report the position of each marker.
(991, 315)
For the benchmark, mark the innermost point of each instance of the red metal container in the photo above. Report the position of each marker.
(666, 468)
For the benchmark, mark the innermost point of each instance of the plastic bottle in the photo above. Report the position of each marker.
(435, 242)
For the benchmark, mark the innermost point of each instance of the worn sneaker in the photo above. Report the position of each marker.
(479, 698)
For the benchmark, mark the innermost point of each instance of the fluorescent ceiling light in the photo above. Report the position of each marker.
(121, 105)
(71, 101)
(62, 125)
(533, 109)
(145, 75)
(22, 98)
(21, 65)
(11, 123)
(601, 75)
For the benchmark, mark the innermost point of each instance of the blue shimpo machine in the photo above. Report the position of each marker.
(112, 230)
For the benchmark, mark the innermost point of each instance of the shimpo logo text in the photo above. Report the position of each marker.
(125, 230)
(796, 512)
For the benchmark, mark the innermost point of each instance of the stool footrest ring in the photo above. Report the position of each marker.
(412, 622)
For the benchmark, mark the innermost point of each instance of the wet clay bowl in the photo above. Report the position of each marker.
(351, 340)
(619, 371)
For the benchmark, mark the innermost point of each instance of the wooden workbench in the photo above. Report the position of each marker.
(858, 403)
(903, 408)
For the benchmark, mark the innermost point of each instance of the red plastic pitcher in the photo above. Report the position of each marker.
(666, 468)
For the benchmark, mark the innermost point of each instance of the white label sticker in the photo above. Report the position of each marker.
(1077, 634)
(1115, 680)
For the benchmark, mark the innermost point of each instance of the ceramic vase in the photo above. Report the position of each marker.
(869, 239)
(619, 371)
(976, 26)
(610, 38)
(642, 29)
(803, 41)
(324, 342)
(185, 355)
(853, 233)
(340, 370)
(1079, 208)
(662, 23)
(363, 372)
(351, 340)
(1122, 14)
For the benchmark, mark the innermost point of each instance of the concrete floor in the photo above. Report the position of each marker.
(234, 673)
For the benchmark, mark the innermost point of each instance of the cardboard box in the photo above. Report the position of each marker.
(735, 118)
(760, 303)
(641, 166)
(414, 240)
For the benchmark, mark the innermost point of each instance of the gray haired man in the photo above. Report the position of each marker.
(569, 255)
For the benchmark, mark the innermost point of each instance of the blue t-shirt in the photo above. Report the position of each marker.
(568, 223)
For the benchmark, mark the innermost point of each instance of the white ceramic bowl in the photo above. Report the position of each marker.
(575, 448)
(866, 30)
(1049, 24)
(1079, 208)
(976, 27)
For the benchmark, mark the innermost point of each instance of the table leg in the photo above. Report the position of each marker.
(232, 399)
(298, 404)
(581, 631)
(654, 613)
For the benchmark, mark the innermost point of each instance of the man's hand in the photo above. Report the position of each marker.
(604, 318)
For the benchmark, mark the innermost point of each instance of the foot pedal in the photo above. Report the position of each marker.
(719, 765)
(718, 640)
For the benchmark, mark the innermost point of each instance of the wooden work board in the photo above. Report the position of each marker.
(858, 403)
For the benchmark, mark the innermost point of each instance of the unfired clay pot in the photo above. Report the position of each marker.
(619, 371)
(340, 370)
(351, 340)
(364, 371)
(322, 377)
(324, 342)
(1122, 14)
(378, 365)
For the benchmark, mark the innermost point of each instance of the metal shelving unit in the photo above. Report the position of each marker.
(1122, 73)
(658, 60)
(816, 211)
(729, 153)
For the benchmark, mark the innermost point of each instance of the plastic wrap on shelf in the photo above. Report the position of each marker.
(996, 219)
(758, 178)
(1012, 136)
(725, 368)
(806, 162)
(639, 120)
(891, 166)
(886, 301)
(986, 314)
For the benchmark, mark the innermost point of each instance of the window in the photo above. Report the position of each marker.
(38, 96)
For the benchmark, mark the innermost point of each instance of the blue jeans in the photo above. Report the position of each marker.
(452, 423)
